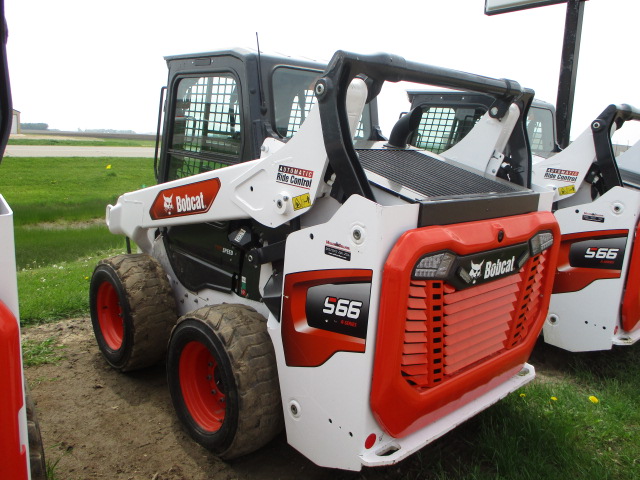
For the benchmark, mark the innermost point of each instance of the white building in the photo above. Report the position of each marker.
(15, 123)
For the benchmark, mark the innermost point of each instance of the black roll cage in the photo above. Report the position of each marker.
(376, 69)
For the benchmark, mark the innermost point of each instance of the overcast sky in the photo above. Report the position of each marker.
(78, 64)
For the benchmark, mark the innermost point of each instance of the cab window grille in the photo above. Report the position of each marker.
(207, 124)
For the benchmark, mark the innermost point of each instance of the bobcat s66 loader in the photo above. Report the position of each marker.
(368, 299)
(596, 294)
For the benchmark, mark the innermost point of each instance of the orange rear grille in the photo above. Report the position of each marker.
(442, 341)
(447, 331)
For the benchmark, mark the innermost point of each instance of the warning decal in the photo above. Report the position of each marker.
(567, 190)
(301, 201)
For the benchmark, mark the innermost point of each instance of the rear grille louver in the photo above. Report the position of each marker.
(448, 330)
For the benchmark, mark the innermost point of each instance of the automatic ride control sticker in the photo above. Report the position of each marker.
(298, 177)
(570, 176)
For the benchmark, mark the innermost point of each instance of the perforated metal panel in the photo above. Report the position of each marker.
(429, 176)
(447, 330)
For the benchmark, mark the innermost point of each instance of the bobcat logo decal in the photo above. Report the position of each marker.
(476, 270)
(168, 204)
(189, 199)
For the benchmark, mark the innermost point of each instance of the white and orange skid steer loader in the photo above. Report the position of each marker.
(20, 441)
(596, 294)
(373, 299)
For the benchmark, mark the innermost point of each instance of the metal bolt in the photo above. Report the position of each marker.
(294, 409)
(279, 203)
(494, 111)
(596, 125)
(213, 392)
(320, 88)
(250, 258)
(357, 234)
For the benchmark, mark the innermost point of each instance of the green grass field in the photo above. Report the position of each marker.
(580, 419)
(59, 208)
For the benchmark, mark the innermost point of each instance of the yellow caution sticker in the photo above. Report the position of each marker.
(567, 190)
(301, 201)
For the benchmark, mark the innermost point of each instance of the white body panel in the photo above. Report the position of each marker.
(589, 319)
(8, 282)
(630, 160)
(332, 400)
(482, 147)
(260, 189)
(9, 296)
(564, 172)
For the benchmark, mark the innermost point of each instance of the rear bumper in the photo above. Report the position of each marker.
(396, 449)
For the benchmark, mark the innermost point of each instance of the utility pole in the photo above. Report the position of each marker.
(568, 70)
(570, 54)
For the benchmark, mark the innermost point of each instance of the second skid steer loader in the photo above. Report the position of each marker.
(596, 301)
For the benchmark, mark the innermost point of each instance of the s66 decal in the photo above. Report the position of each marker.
(605, 253)
(340, 308)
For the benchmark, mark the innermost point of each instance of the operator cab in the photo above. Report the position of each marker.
(220, 108)
(448, 116)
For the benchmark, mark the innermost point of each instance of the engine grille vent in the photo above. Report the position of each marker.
(448, 331)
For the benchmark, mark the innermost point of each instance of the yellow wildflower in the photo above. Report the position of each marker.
(109, 167)
(555, 399)
(522, 395)
(594, 399)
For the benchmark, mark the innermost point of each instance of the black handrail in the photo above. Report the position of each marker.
(601, 128)
(155, 155)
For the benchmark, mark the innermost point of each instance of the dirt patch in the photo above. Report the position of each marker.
(101, 424)
(66, 225)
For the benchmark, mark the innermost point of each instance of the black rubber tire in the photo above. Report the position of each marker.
(245, 371)
(142, 298)
(37, 461)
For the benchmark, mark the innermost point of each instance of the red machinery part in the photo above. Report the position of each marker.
(304, 345)
(573, 279)
(631, 300)
(198, 381)
(14, 464)
(469, 366)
